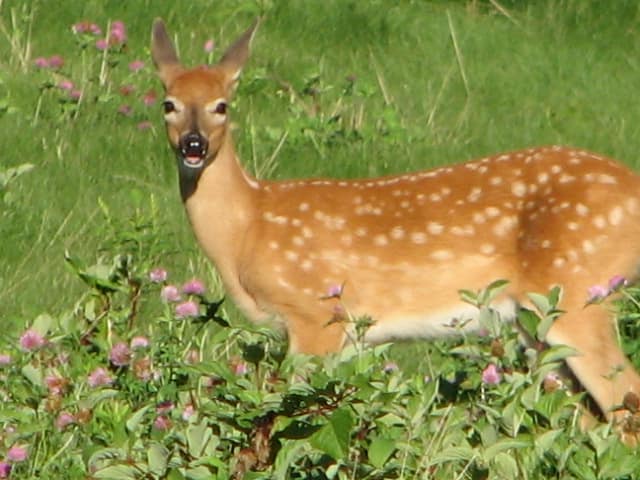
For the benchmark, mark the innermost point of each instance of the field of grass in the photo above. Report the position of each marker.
(354, 90)
(334, 88)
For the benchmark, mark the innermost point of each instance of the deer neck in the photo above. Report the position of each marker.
(220, 205)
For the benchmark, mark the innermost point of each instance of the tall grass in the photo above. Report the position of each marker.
(333, 89)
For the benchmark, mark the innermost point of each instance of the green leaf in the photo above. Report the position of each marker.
(544, 441)
(529, 321)
(505, 466)
(333, 438)
(134, 420)
(117, 472)
(42, 324)
(541, 302)
(380, 450)
(290, 451)
(33, 374)
(503, 445)
(157, 458)
(492, 291)
(198, 435)
(452, 454)
(556, 354)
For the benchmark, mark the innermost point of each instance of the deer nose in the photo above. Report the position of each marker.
(193, 146)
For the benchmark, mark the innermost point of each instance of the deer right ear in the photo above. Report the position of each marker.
(164, 53)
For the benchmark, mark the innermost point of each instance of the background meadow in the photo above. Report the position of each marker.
(89, 205)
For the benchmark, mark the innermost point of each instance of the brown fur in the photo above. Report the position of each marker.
(402, 246)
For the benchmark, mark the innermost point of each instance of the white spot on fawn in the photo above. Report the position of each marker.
(419, 238)
(441, 255)
(380, 240)
(435, 228)
(615, 216)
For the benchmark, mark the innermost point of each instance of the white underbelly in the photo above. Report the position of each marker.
(444, 323)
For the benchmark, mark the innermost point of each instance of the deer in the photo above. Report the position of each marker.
(296, 253)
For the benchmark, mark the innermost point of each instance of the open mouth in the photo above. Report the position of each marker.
(193, 150)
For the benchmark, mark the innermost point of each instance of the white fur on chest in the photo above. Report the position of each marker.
(443, 323)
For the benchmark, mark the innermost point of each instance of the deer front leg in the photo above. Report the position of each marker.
(315, 331)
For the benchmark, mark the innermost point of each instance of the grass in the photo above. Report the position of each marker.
(334, 88)
(551, 72)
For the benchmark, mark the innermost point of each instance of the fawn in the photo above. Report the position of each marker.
(294, 251)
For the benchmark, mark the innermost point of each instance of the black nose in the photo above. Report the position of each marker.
(193, 145)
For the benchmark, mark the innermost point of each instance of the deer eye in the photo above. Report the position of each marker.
(221, 108)
(168, 107)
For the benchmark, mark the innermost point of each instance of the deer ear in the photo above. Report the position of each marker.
(237, 54)
(164, 53)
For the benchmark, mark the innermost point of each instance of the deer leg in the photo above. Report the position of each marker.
(600, 365)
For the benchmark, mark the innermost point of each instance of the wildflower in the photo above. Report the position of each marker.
(139, 342)
(80, 27)
(136, 65)
(31, 340)
(164, 407)
(56, 61)
(120, 354)
(390, 367)
(86, 27)
(188, 412)
(240, 368)
(158, 275)
(142, 369)
(551, 382)
(124, 110)
(66, 85)
(596, 293)
(192, 356)
(209, 45)
(64, 420)
(146, 125)
(170, 293)
(187, 309)
(162, 423)
(631, 402)
(99, 377)
(5, 469)
(17, 453)
(5, 359)
(102, 44)
(62, 358)
(56, 385)
(193, 287)
(491, 375)
(75, 94)
(497, 349)
(41, 62)
(334, 291)
(149, 98)
(118, 33)
(617, 282)
(126, 90)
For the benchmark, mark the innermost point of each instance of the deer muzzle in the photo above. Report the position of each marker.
(193, 149)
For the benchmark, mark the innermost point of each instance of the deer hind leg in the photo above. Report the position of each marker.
(600, 365)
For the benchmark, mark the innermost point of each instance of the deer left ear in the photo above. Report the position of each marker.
(237, 54)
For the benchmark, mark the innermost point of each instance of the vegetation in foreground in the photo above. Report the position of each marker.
(121, 379)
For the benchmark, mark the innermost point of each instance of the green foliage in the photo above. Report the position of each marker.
(111, 393)
(335, 88)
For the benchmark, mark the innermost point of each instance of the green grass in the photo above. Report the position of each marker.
(335, 88)
(551, 72)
